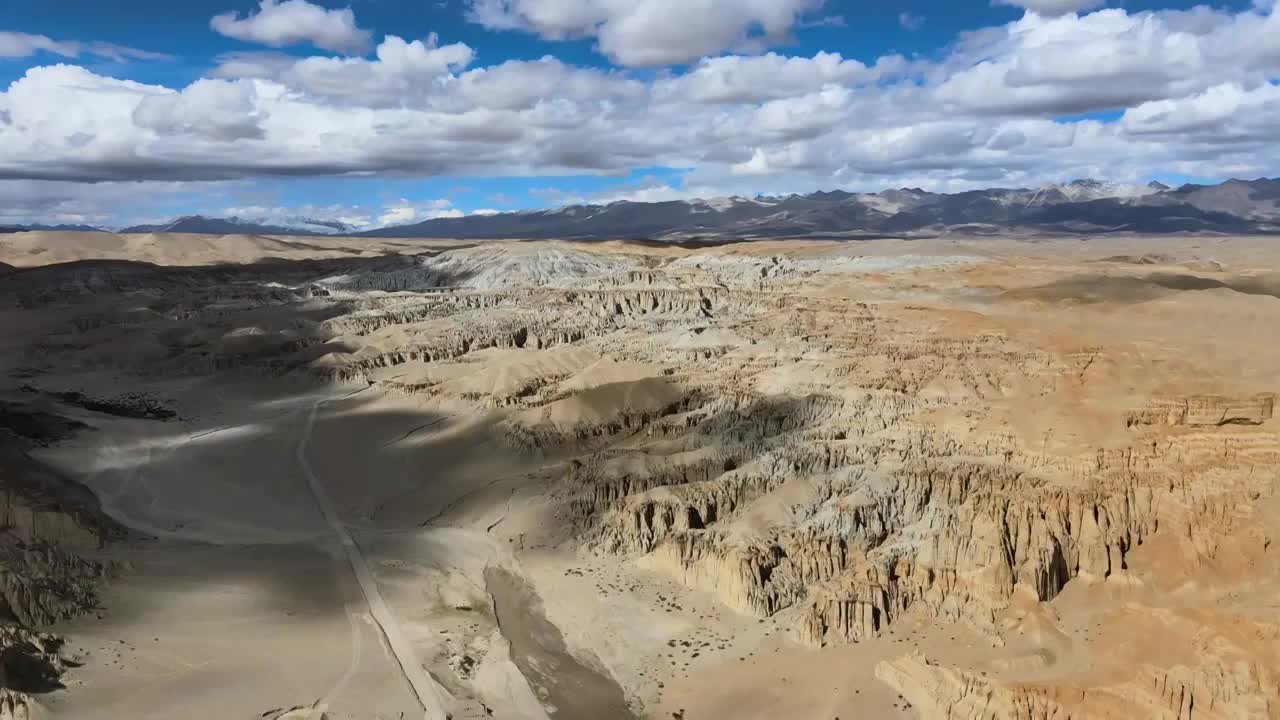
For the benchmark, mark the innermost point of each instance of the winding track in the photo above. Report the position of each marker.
(424, 687)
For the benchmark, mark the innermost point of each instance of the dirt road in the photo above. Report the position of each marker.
(424, 687)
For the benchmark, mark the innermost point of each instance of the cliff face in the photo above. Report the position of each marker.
(1213, 688)
(1206, 410)
(39, 505)
(958, 535)
(44, 519)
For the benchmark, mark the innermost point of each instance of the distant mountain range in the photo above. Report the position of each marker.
(1080, 206)
(236, 226)
(200, 225)
(66, 228)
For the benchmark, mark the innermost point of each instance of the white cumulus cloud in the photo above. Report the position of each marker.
(279, 23)
(646, 33)
(737, 79)
(1109, 59)
(213, 109)
(1052, 8)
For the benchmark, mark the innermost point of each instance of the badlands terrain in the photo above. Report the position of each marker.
(304, 478)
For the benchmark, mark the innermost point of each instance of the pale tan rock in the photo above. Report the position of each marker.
(1206, 410)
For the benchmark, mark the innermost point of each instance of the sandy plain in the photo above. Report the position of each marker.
(960, 477)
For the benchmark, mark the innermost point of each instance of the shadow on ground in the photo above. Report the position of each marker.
(1130, 289)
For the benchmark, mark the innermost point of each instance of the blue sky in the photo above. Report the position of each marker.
(182, 29)
(396, 110)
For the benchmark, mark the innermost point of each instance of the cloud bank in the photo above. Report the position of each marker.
(1055, 94)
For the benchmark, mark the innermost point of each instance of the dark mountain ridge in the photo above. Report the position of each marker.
(1235, 206)
(65, 228)
(236, 226)
(1080, 206)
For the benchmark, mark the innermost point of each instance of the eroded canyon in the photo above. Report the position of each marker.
(969, 478)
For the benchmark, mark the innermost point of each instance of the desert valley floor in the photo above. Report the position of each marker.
(304, 478)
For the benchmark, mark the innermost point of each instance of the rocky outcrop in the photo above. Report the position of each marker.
(458, 338)
(1211, 689)
(368, 315)
(963, 539)
(692, 302)
(643, 521)
(597, 483)
(16, 705)
(41, 580)
(957, 539)
(40, 583)
(900, 518)
(598, 412)
(137, 405)
(1206, 410)
(484, 267)
(40, 505)
(31, 663)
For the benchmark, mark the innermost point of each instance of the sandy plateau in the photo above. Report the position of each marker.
(271, 478)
